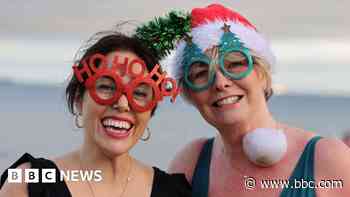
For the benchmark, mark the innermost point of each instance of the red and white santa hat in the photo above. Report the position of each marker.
(207, 23)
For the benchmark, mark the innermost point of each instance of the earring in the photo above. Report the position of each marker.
(148, 136)
(268, 93)
(77, 121)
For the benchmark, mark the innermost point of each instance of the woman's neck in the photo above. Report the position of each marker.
(113, 167)
(231, 136)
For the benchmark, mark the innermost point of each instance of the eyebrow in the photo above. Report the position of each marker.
(235, 58)
(200, 64)
(239, 60)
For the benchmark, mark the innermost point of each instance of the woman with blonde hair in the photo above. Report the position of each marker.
(223, 65)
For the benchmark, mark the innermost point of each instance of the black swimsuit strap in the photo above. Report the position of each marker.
(59, 188)
(200, 179)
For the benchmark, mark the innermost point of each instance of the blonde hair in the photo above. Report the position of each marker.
(264, 70)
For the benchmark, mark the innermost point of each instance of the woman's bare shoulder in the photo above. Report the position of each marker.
(185, 160)
(67, 161)
(332, 161)
(16, 189)
(297, 135)
(333, 153)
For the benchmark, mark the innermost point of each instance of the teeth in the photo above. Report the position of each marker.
(118, 131)
(229, 100)
(117, 124)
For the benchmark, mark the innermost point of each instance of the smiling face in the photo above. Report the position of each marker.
(114, 128)
(226, 101)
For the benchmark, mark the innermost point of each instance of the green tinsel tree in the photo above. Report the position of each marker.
(161, 33)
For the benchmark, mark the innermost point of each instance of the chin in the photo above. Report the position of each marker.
(228, 117)
(227, 122)
(115, 148)
(112, 146)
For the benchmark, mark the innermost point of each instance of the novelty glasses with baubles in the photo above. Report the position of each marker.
(105, 83)
(234, 60)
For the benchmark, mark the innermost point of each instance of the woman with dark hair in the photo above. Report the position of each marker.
(113, 94)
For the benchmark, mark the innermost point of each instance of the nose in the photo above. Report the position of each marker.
(221, 82)
(122, 105)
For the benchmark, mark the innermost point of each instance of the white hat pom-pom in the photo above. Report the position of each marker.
(265, 146)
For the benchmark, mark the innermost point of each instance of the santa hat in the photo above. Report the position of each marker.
(206, 31)
(205, 28)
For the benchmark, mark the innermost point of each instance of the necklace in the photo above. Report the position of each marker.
(128, 179)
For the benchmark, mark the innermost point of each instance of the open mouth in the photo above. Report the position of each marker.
(227, 101)
(116, 127)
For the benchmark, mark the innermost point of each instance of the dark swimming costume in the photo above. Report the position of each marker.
(303, 170)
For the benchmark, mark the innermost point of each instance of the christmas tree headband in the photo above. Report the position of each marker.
(204, 26)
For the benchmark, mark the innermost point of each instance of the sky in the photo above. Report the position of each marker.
(298, 18)
(311, 39)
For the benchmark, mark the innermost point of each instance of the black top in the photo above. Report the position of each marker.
(164, 184)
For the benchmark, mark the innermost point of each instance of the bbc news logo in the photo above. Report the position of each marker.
(48, 175)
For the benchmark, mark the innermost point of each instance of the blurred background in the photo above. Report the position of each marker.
(38, 40)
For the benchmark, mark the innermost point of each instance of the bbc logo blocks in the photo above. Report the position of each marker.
(31, 175)
(49, 175)
(14, 175)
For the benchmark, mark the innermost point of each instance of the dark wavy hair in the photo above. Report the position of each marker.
(104, 43)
